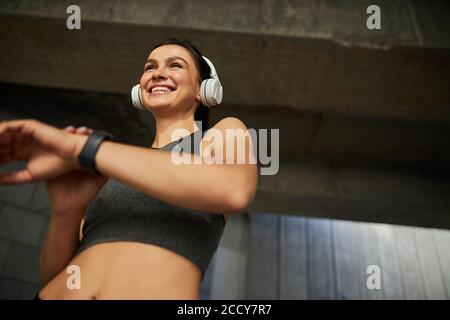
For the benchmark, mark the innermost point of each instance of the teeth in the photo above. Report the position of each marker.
(165, 89)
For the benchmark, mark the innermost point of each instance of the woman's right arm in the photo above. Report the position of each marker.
(69, 194)
(60, 243)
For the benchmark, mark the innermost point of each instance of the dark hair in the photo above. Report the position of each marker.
(202, 112)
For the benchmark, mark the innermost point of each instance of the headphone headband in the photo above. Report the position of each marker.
(211, 66)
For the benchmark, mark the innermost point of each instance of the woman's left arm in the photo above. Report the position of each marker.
(221, 188)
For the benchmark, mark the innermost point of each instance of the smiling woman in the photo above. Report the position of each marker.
(210, 90)
(143, 227)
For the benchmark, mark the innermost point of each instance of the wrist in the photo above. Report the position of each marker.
(80, 141)
(68, 215)
(89, 150)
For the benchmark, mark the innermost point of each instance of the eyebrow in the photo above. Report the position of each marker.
(168, 59)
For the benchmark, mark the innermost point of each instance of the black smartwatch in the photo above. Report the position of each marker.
(90, 148)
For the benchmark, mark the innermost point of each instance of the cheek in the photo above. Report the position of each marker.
(144, 79)
(189, 90)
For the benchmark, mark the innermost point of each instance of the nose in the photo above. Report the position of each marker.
(157, 75)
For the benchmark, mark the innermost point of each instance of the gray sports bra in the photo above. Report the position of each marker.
(121, 213)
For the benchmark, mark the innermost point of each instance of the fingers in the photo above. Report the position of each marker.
(15, 138)
(84, 130)
(28, 132)
(11, 124)
(69, 128)
(80, 130)
(7, 131)
(14, 177)
(6, 137)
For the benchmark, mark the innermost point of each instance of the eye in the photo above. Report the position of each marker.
(149, 67)
(175, 65)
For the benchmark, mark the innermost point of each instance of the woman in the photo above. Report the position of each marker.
(144, 227)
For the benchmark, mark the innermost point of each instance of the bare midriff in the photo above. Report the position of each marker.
(128, 270)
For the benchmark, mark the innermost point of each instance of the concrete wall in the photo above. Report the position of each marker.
(315, 56)
(363, 115)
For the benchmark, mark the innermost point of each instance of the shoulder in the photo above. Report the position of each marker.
(229, 128)
(228, 133)
(230, 123)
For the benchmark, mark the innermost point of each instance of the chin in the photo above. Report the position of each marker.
(157, 102)
(157, 106)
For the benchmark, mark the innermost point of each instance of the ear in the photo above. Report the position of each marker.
(197, 97)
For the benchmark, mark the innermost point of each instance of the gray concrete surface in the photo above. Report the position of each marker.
(364, 119)
(265, 51)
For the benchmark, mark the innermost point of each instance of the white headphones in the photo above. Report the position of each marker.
(211, 91)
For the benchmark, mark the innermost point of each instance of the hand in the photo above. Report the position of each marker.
(48, 151)
(71, 192)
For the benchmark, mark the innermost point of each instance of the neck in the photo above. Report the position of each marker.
(165, 127)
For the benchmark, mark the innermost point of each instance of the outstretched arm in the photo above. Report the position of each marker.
(220, 188)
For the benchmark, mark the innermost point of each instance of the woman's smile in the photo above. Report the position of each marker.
(159, 93)
(160, 89)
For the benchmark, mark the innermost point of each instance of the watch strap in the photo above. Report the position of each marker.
(90, 148)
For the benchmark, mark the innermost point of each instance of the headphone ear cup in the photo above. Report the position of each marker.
(203, 93)
(218, 93)
(136, 97)
(211, 92)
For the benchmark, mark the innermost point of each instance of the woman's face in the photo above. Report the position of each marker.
(170, 79)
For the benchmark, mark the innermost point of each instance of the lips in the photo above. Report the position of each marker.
(159, 89)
